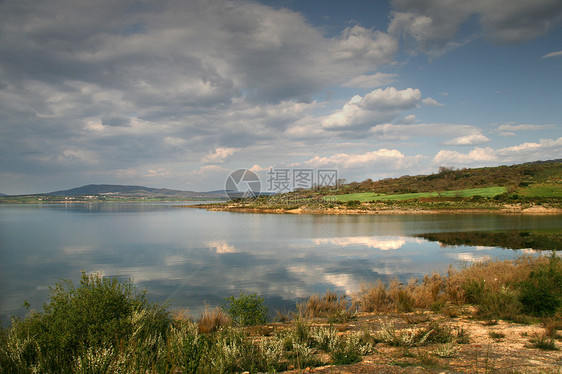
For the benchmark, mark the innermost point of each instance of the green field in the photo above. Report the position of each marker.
(370, 196)
(541, 190)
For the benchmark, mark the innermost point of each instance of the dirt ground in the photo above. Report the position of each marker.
(486, 352)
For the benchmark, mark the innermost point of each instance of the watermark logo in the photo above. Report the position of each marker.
(242, 184)
(286, 180)
(245, 184)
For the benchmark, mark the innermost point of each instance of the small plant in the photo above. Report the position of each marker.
(352, 204)
(403, 338)
(282, 316)
(246, 309)
(326, 338)
(332, 305)
(446, 350)
(350, 350)
(544, 342)
(435, 333)
(497, 336)
(374, 298)
(462, 336)
(212, 319)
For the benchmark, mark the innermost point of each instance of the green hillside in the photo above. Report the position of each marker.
(370, 196)
(530, 180)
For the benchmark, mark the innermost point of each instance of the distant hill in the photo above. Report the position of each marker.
(129, 191)
(537, 174)
(1, 194)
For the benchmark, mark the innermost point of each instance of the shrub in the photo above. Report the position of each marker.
(348, 351)
(541, 292)
(325, 338)
(353, 203)
(502, 304)
(246, 309)
(91, 320)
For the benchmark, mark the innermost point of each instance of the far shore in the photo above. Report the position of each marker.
(507, 209)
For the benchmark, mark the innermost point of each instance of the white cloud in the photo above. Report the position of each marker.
(371, 80)
(545, 149)
(455, 158)
(219, 156)
(406, 130)
(360, 44)
(468, 257)
(431, 101)
(377, 106)
(522, 127)
(433, 26)
(473, 139)
(552, 54)
(506, 133)
(509, 129)
(222, 247)
(384, 244)
(382, 159)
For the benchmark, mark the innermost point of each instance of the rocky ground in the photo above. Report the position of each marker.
(491, 347)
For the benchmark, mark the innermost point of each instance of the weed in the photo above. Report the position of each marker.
(246, 309)
(325, 338)
(350, 350)
(374, 298)
(212, 319)
(497, 336)
(446, 350)
(544, 342)
(331, 305)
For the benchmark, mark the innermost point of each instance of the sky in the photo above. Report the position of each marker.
(178, 94)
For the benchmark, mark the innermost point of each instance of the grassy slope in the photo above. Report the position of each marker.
(370, 196)
(542, 180)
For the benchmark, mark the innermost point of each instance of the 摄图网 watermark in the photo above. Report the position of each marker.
(245, 183)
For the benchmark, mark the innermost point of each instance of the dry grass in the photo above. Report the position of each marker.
(495, 274)
(373, 297)
(212, 319)
(440, 292)
(324, 306)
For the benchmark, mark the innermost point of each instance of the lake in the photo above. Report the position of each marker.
(192, 257)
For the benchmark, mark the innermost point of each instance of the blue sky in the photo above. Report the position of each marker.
(178, 94)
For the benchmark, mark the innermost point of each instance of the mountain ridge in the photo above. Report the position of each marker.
(126, 190)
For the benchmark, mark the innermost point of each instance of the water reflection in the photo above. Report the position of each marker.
(515, 239)
(190, 257)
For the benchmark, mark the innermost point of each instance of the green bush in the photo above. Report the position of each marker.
(474, 290)
(541, 293)
(350, 350)
(353, 203)
(91, 320)
(246, 309)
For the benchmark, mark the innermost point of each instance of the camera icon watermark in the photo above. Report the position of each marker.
(242, 184)
(246, 184)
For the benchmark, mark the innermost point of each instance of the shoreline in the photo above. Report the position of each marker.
(534, 210)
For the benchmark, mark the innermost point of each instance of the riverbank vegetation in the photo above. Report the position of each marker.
(529, 188)
(438, 322)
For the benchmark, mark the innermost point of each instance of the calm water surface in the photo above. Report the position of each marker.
(191, 257)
